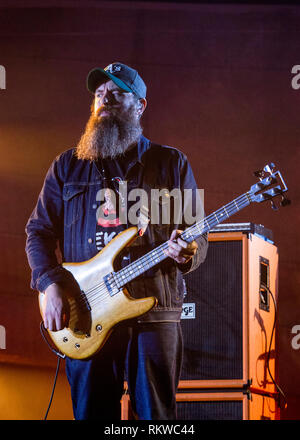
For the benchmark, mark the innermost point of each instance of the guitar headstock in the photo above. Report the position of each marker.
(270, 185)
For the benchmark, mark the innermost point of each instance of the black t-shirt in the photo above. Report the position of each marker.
(108, 219)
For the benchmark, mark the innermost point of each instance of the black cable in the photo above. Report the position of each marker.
(43, 333)
(53, 388)
(59, 357)
(278, 388)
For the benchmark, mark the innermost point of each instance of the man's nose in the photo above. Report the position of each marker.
(107, 97)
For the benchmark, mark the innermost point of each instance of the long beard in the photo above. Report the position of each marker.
(109, 136)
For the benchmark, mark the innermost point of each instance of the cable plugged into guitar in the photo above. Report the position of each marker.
(268, 176)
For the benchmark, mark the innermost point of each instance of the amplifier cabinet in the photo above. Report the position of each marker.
(202, 406)
(228, 313)
(199, 405)
(212, 406)
(226, 405)
(217, 404)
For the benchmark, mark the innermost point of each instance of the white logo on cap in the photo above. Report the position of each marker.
(112, 68)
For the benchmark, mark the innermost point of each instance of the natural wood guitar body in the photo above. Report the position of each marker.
(94, 315)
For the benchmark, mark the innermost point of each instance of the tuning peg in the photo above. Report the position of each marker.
(259, 173)
(274, 206)
(269, 168)
(285, 201)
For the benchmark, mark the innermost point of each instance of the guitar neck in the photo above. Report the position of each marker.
(157, 255)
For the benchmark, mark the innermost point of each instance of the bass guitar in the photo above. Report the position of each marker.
(103, 300)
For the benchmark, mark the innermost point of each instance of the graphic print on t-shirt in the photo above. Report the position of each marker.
(112, 209)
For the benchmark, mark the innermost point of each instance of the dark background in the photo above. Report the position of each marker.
(219, 88)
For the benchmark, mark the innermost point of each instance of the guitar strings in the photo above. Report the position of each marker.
(146, 259)
(97, 292)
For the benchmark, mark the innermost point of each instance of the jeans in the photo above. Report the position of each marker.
(148, 356)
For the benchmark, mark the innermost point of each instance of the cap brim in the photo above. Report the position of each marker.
(98, 76)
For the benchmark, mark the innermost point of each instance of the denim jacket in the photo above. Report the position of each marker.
(64, 217)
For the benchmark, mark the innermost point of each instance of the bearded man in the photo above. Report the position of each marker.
(147, 351)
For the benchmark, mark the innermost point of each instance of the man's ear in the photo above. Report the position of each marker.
(142, 104)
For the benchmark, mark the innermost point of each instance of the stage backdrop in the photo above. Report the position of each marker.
(220, 88)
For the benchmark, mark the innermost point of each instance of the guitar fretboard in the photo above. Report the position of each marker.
(157, 255)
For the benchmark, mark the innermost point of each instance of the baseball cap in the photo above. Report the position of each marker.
(124, 76)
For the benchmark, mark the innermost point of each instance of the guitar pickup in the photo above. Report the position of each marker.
(84, 299)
